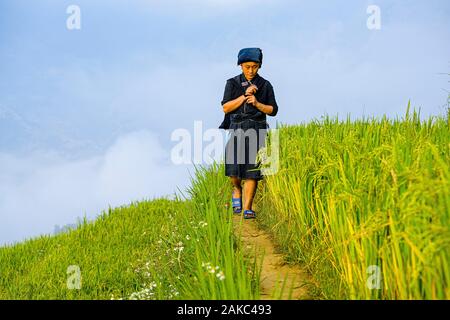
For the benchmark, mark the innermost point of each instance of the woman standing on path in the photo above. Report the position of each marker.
(247, 99)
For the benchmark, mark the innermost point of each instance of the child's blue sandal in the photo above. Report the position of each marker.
(237, 205)
(249, 214)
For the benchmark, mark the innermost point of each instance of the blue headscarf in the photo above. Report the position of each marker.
(250, 54)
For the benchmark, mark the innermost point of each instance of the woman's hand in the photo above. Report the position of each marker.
(251, 90)
(267, 109)
(251, 100)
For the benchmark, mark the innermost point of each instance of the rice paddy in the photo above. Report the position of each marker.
(363, 205)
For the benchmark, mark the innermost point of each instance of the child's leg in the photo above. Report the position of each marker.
(237, 188)
(250, 186)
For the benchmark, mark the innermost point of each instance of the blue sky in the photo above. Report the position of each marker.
(86, 115)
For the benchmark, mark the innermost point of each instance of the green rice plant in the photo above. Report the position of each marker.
(149, 249)
(218, 254)
(356, 196)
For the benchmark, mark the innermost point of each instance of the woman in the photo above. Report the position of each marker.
(247, 99)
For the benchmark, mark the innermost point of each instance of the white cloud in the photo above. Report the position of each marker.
(44, 189)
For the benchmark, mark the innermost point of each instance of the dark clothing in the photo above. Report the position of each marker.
(240, 156)
(235, 87)
(241, 150)
(250, 54)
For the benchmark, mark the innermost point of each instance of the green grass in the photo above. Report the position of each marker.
(158, 249)
(349, 195)
(373, 192)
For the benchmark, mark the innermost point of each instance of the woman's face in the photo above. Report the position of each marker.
(250, 69)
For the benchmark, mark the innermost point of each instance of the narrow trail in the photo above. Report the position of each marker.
(274, 269)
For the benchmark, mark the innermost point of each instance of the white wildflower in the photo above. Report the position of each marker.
(179, 247)
(220, 275)
(214, 270)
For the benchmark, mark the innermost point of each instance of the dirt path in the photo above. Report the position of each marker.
(274, 269)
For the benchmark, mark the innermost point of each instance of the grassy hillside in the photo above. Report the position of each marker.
(158, 249)
(365, 205)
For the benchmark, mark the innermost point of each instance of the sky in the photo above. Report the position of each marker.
(87, 115)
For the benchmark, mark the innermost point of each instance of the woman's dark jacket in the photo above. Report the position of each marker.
(236, 87)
